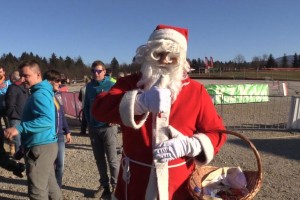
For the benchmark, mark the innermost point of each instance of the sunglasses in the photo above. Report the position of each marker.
(57, 80)
(98, 71)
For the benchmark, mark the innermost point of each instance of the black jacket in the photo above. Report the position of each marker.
(15, 99)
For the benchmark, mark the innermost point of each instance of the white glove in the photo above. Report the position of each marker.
(177, 147)
(154, 100)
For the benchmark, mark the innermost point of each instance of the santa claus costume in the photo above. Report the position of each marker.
(192, 115)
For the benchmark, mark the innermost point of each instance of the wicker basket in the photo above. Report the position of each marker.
(254, 178)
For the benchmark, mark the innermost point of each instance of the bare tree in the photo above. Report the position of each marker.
(239, 59)
(256, 62)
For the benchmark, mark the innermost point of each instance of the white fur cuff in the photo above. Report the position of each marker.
(207, 148)
(127, 110)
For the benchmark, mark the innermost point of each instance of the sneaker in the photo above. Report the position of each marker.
(19, 170)
(19, 154)
(103, 192)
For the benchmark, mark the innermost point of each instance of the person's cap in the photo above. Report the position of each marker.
(175, 34)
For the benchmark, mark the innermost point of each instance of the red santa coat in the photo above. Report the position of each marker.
(192, 113)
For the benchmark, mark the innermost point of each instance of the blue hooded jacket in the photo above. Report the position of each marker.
(38, 120)
(3, 90)
(94, 88)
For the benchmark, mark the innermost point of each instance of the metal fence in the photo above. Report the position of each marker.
(71, 104)
(251, 113)
(259, 114)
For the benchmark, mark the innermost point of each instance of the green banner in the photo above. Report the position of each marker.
(240, 93)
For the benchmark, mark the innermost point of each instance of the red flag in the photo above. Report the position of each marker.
(206, 63)
(211, 62)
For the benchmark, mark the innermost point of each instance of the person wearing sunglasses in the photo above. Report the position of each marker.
(102, 134)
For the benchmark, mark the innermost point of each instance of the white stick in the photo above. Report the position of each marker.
(160, 134)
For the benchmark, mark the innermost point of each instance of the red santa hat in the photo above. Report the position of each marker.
(175, 34)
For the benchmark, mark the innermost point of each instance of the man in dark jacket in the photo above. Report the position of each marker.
(15, 99)
(8, 163)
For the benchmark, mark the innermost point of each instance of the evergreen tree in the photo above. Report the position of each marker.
(194, 64)
(25, 56)
(61, 63)
(271, 62)
(69, 67)
(53, 61)
(69, 62)
(44, 64)
(10, 62)
(199, 63)
(284, 61)
(295, 61)
(79, 62)
(114, 65)
(77, 68)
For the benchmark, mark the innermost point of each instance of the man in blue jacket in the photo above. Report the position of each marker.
(103, 135)
(38, 134)
(4, 83)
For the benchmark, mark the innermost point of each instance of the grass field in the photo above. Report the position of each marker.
(287, 75)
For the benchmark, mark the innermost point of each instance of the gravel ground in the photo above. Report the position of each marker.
(279, 152)
(80, 178)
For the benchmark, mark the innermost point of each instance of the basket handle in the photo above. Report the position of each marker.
(257, 156)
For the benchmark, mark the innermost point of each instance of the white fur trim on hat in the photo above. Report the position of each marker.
(169, 34)
(207, 149)
(126, 109)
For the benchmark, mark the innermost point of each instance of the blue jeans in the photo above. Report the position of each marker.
(104, 144)
(60, 159)
(17, 139)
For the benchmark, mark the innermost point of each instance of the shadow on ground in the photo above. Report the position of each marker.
(88, 193)
(287, 148)
(18, 181)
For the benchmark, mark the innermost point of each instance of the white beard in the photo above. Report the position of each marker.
(151, 72)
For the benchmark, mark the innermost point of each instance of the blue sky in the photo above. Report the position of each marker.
(103, 29)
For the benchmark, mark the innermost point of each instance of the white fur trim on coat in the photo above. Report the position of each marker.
(126, 109)
(207, 149)
(169, 34)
